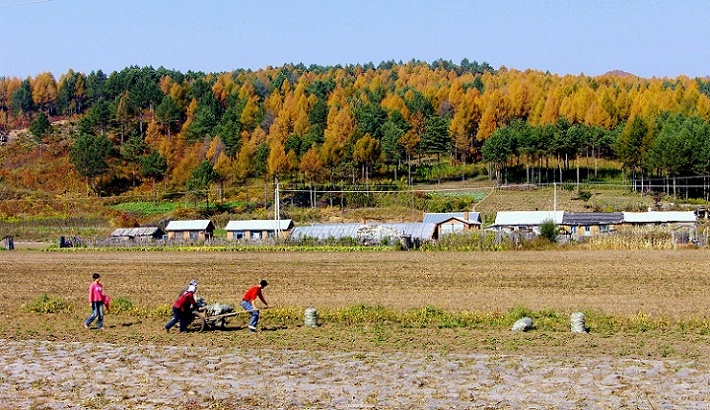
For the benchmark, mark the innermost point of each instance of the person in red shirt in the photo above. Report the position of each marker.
(96, 300)
(182, 308)
(248, 303)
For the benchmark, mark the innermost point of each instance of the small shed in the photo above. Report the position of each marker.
(140, 234)
(258, 229)
(195, 230)
(582, 224)
(453, 222)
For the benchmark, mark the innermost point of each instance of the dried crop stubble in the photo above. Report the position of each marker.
(672, 284)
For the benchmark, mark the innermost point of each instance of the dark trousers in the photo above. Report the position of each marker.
(179, 316)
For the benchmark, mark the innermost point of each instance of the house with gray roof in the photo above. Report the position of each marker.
(585, 224)
(194, 230)
(258, 229)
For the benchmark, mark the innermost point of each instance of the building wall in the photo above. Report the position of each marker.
(587, 230)
(254, 235)
(189, 235)
(454, 227)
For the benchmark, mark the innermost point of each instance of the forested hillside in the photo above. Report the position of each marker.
(143, 129)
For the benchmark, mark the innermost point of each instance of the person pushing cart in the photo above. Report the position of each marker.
(249, 303)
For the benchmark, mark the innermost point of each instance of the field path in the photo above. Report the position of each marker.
(61, 375)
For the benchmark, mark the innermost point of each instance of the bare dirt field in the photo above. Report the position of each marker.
(49, 360)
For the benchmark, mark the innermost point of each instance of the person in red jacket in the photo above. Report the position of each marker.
(182, 308)
(97, 298)
(248, 303)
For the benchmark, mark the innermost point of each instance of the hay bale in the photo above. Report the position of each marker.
(577, 323)
(523, 325)
(218, 309)
(311, 317)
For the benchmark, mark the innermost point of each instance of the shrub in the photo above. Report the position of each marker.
(46, 304)
(517, 312)
(548, 230)
(584, 195)
(121, 305)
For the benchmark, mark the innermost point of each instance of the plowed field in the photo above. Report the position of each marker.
(361, 366)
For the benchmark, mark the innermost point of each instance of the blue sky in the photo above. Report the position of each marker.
(647, 38)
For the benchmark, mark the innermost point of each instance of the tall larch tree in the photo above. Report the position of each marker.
(44, 92)
(366, 152)
(341, 125)
(464, 126)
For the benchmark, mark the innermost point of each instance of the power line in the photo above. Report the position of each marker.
(25, 3)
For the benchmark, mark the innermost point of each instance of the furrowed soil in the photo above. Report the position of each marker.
(648, 344)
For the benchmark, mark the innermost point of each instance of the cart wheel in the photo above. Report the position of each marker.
(198, 323)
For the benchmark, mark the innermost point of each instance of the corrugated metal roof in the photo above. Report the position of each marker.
(420, 231)
(134, 232)
(196, 225)
(592, 218)
(439, 217)
(660, 217)
(259, 225)
(524, 218)
(325, 231)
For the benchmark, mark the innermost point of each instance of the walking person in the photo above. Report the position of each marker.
(249, 303)
(97, 299)
(182, 308)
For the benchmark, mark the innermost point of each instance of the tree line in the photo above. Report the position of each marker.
(140, 126)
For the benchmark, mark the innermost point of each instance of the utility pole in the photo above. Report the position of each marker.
(277, 210)
(554, 203)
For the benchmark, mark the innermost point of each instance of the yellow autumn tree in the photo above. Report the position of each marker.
(340, 125)
(494, 114)
(44, 90)
(165, 84)
(223, 87)
(278, 162)
(464, 124)
(250, 114)
(243, 168)
(225, 167)
(366, 152)
(311, 165)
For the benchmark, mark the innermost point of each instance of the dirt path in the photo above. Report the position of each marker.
(60, 375)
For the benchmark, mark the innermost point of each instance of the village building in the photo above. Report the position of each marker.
(579, 225)
(661, 218)
(453, 222)
(140, 234)
(195, 230)
(524, 221)
(259, 229)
